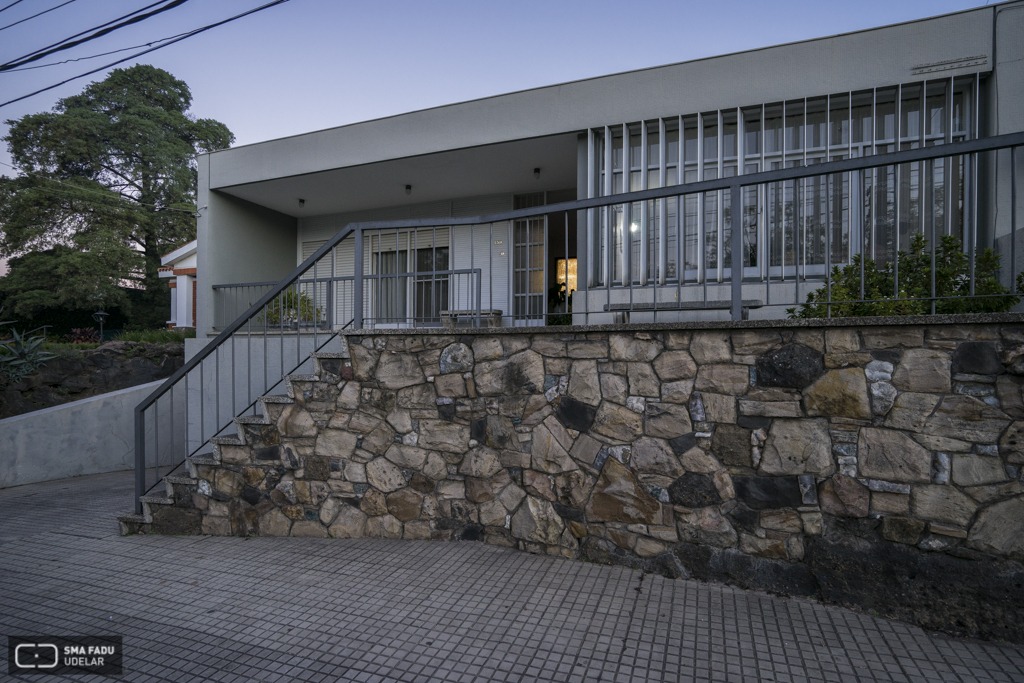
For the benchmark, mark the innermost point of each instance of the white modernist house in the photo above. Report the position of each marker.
(698, 125)
(179, 266)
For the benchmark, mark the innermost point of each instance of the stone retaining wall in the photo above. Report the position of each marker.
(110, 367)
(871, 466)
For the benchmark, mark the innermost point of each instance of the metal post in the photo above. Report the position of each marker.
(1013, 219)
(662, 208)
(565, 222)
(357, 298)
(737, 258)
(140, 458)
(931, 195)
(644, 217)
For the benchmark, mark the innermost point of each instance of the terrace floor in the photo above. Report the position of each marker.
(291, 609)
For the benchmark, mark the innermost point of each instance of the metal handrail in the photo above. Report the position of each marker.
(734, 184)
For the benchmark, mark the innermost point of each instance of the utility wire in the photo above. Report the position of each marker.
(65, 45)
(152, 49)
(10, 5)
(101, 54)
(22, 21)
(95, 28)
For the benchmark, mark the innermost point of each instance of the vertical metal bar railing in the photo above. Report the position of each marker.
(736, 215)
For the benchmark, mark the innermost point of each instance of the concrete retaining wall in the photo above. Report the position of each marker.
(90, 436)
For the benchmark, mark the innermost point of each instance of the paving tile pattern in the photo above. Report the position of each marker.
(292, 609)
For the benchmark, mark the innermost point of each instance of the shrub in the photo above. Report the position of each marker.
(22, 356)
(164, 336)
(952, 279)
(290, 308)
(84, 335)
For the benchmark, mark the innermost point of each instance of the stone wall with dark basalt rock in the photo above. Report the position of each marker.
(110, 367)
(877, 467)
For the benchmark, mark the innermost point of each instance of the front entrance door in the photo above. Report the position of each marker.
(529, 256)
(431, 289)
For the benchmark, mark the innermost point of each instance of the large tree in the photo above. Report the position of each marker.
(108, 185)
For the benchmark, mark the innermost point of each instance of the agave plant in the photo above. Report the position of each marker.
(22, 355)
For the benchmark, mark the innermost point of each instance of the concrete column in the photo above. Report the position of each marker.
(183, 315)
(174, 306)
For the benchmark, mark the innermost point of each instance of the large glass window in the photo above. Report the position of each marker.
(794, 228)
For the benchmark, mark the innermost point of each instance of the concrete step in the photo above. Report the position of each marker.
(227, 440)
(251, 420)
(131, 523)
(156, 499)
(273, 398)
(271, 407)
(291, 380)
(331, 364)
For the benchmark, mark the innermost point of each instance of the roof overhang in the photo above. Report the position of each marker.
(182, 252)
(490, 169)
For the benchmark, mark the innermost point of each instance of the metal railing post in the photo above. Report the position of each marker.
(357, 288)
(736, 216)
(140, 457)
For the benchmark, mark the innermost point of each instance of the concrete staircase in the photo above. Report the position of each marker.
(252, 434)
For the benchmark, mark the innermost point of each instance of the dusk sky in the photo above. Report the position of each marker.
(312, 64)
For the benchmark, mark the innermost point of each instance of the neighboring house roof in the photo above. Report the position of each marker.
(181, 259)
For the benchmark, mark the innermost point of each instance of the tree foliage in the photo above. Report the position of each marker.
(108, 186)
(952, 280)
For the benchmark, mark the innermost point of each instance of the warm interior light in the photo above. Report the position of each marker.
(561, 276)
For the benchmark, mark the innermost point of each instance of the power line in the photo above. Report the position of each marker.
(101, 54)
(152, 49)
(82, 33)
(22, 21)
(104, 30)
(10, 5)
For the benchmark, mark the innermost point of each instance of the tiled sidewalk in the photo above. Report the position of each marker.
(232, 609)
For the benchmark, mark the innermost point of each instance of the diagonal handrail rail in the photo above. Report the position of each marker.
(733, 183)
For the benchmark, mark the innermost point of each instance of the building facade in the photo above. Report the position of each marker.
(267, 207)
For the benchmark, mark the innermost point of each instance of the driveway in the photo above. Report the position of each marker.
(293, 609)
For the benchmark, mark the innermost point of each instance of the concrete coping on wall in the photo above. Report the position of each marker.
(782, 323)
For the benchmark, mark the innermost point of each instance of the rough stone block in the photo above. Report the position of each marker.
(844, 497)
(710, 347)
(731, 444)
(941, 503)
(923, 370)
(999, 529)
(797, 447)
(977, 358)
(723, 379)
(902, 530)
(839, 393)
(967, 418)
(666, 420)
(618, 497)
(842, 340)
(675, 365)
(764, 493)
(975, 470)
(892, 456)
(794, 365)
(615, 422)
